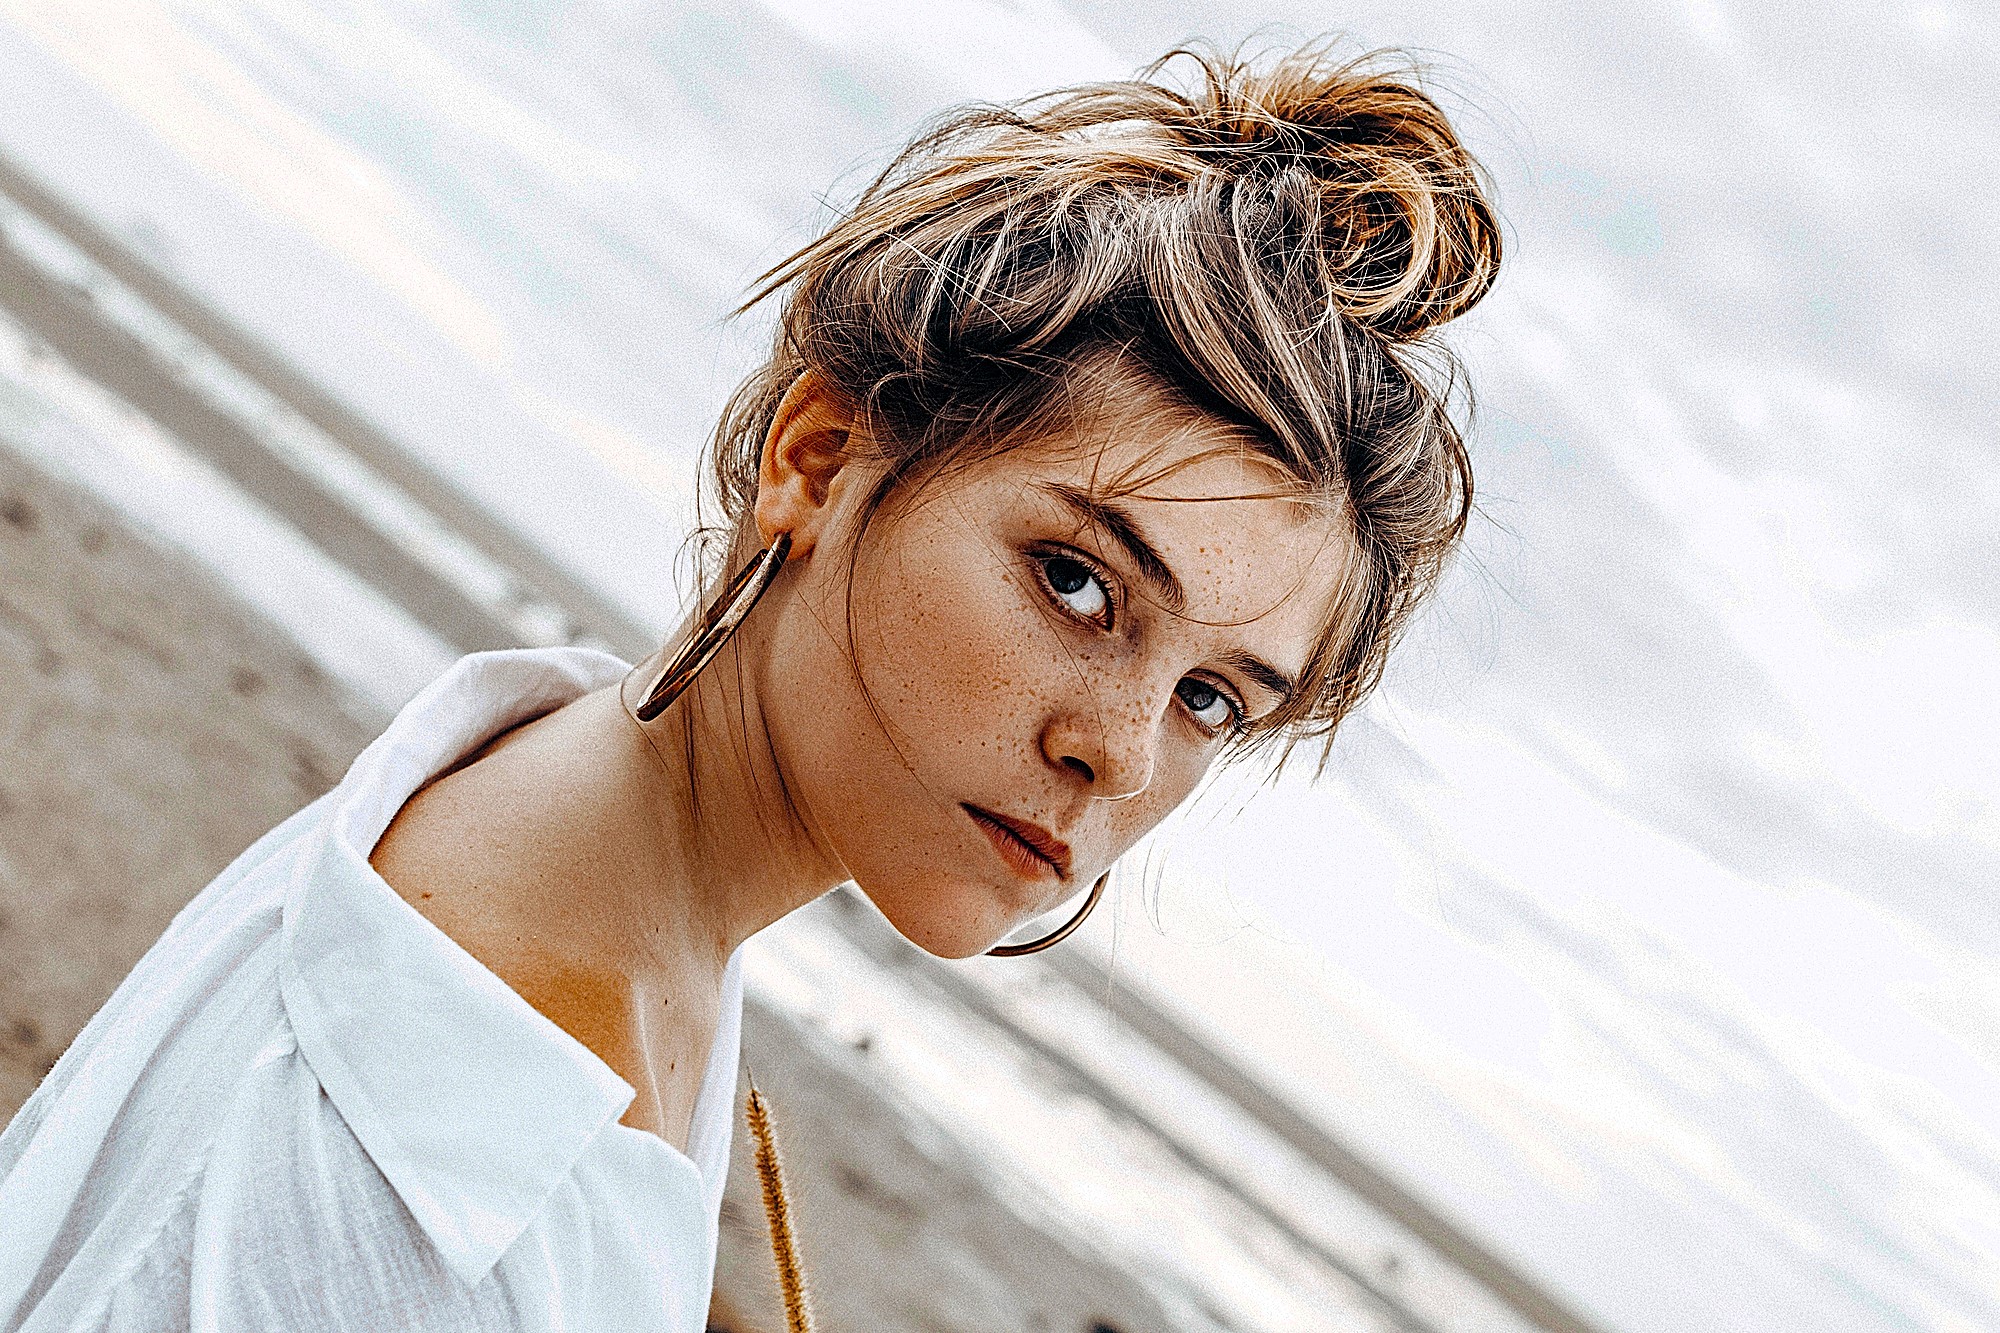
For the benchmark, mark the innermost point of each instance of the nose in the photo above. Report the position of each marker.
(1109, 747)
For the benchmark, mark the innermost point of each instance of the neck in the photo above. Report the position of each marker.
(617, 851)
(703, 796)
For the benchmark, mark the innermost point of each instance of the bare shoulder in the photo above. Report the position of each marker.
(440, 839)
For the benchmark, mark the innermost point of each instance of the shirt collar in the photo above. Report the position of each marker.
(472, 1103)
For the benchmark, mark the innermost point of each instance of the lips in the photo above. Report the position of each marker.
(1029, 848)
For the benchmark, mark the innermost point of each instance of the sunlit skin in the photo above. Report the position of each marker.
(1019, 663)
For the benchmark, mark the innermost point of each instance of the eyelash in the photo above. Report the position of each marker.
(1237, 722)
(1113, 601)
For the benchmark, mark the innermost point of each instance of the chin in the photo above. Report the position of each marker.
(953, 948)
(962, 931)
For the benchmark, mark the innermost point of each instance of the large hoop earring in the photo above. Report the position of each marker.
(715, 627)
(1060, 933)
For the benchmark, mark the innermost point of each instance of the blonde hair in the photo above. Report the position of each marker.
(1270, 245)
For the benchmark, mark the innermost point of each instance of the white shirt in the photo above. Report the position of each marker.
(307, 1108)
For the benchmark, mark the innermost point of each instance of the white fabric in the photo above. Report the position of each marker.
(308, 1109)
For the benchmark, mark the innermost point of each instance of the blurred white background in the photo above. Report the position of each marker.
(1645, 920)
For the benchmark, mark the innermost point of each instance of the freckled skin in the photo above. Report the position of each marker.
(992, 696)
(607, 873)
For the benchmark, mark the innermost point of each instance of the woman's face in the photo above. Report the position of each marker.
(1065, 665)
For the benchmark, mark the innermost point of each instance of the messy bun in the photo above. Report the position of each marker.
(1406, 237)
(1269, 245)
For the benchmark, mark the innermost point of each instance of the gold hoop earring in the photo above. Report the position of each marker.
(1060, 933)
(716, 625)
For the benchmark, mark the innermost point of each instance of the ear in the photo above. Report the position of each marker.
(804, 468)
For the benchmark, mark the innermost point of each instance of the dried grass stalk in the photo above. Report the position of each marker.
(778, 1209)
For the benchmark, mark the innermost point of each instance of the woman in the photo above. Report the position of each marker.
(1097, 445)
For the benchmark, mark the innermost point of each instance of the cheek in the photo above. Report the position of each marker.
(953, 653)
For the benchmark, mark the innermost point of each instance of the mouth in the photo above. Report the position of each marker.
(1028, 849)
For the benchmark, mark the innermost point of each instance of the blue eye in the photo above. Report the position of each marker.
(1076, 586)
(1212, 708)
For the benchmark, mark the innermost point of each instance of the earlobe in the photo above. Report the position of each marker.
(806, 451)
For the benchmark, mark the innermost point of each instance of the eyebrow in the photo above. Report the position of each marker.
(1115, 522)
(1263, 673)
